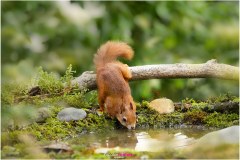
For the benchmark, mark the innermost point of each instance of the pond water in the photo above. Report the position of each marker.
(188, 142)
(150, 140)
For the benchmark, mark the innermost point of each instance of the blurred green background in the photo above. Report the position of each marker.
(56, 34)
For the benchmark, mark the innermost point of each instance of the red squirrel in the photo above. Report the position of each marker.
(114, 93)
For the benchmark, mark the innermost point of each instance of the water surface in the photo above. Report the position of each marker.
(151, 140)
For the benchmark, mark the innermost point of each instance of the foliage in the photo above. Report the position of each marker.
(56, 34)
(49, 83)
(18, 107)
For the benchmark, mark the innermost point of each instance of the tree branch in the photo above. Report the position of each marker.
(210, 69)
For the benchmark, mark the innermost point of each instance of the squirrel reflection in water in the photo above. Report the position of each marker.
(124, 140)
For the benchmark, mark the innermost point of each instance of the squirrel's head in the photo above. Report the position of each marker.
(127, 116)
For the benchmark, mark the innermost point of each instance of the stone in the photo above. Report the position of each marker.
(57, 147)
(228, 135)
(69, 114)
(162, 105)
(42, 114)
(38, 115)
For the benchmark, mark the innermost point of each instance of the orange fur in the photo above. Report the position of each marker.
(114, 93)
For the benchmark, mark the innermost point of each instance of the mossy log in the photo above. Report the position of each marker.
(210, 69)
(222, 107)
(203, 114)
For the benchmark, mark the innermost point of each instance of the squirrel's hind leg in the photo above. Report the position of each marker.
(125, 71)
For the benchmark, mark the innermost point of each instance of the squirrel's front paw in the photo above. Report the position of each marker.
(99, 112)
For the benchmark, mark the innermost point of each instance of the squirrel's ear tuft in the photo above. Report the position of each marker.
(131, 106)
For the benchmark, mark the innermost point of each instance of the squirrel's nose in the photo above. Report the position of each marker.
(131, 127)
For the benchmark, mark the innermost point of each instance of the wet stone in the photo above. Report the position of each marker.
(228, 135)
(57, 147)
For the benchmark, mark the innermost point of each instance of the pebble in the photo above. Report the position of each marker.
(69, 114)
(162, 105)
(42, 114)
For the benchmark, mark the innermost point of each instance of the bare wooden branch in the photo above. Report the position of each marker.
(210, 69)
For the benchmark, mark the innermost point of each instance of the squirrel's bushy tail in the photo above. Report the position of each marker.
(109, 52)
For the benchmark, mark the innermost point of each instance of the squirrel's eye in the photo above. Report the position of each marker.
(124, 119)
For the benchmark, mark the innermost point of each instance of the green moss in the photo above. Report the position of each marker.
(236, 99)
(206, 105)
(222, 98)
(11, 91)
(200, 105)
(148, 117)
(10, 138)
(9, 151)
(57, 93)
(48, 82)
(219, 152)
(195, 117)
(76, 100)
(170, 120)
(223, 151)
(167, 154)
(94, 122)
(188, 100)
(122, 153)
(220, 120)
(54, 129)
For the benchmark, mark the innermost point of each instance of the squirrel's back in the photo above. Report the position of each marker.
(109, 52)
(114, 94)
